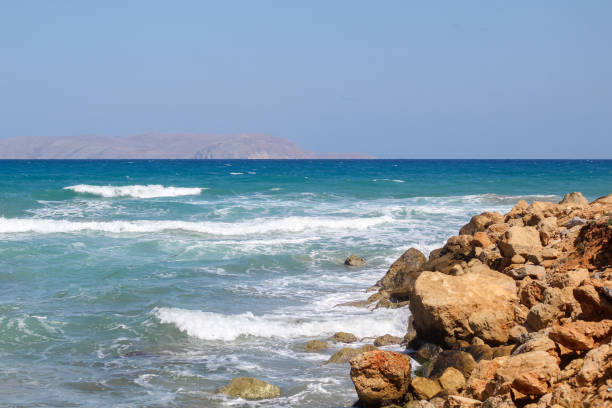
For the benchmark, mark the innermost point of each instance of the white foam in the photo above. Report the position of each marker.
(136, 191)
(216, 326)
(255, 226)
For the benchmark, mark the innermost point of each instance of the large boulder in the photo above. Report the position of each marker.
(529, 374)
(380, 376)
(480, 303)
(480, 222)
(250, 388)
(404, 271)
(576, 198)
(524, 241)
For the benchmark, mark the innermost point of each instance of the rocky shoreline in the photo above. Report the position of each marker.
(515, 311)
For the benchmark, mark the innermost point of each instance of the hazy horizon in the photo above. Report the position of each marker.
(474, 80)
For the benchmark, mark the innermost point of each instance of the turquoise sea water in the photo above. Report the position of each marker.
(153, 283)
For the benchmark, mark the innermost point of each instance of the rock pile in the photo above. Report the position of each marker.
(515, 311)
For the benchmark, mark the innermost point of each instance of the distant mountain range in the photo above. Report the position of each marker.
(160, 146)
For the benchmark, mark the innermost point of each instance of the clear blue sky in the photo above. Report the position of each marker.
(467, 79)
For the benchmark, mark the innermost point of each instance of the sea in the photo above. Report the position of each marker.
(144, 283)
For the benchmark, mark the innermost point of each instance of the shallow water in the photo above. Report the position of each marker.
(153, 283)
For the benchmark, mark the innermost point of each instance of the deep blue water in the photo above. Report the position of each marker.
(153, 283)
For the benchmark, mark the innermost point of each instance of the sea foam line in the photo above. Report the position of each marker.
(216, 326)
(136, 191)
(255, 226)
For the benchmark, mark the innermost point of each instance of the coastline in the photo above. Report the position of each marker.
(514, 311)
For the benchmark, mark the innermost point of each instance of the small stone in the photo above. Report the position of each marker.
(343, 337)
(354, 260)
(250, 388)
(315, 345)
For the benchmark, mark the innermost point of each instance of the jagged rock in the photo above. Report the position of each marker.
(529, 374)
(597, 365)
(533, 271)
(250, 388)
(480, 223)
(480, 303)
(593, 305)
(424, 388)
(452, 380)
(581, 335)
(531, 292)
(380, 376)
(575, 198)
(404, 271)
(387, 340)
(343, 337)
(460, 360)
(354, 260)
(315, 345)
(346, 354)
(499, 401)
(523, 241)
(542, 315)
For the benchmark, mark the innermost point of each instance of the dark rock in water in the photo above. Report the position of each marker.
(354, 260)
(347, 354)
(315, 345)
(136, 353)
(250, 388)
(343, 337)
(387, 340)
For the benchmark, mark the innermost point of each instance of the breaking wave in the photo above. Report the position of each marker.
(136, 191)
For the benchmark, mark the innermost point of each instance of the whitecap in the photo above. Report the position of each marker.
(136, 191)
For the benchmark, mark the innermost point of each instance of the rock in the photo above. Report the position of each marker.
(456, 401)
(452, 380)
(570, 370)
(460, 360)
(597, 365)
(516, 332)
(539, 343)
(531, 292)
(528, 374)
(580, 335)
(518, 259)
(548, 229)
(480, 223)
(480, 303)
(575, 221)
(354, 260)
(502, 351)
(419, 404)
(549, 254)
(481, 240)
(533, 271)
(404, 270)
(346, 354)
(480, 351)
(499, 401)
(569, 279)
(426, 352)
(250, 388)
(542, 315)
(411, 333)
(575, 198)
(343, 337)
(315, 345)
(594, 306)
(380, 376)
(424, 388)
(523, 241)
(387, 340)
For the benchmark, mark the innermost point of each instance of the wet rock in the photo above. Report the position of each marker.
(404, 271)
(315, 345)
(387, 340)
(354, 260)
(480, 303)
(343, 337)
(380, 376)
(250, 388)
(346, 354)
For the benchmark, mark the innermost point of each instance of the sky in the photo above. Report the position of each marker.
(394, 79)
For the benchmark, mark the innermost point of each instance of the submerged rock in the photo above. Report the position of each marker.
(315, 345)
(343, 337)
(250, 388)
(346, 354)
(354, 260)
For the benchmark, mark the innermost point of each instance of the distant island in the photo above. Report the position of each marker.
(161, 146)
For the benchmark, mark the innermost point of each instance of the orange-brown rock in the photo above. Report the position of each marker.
(480, 222)
(481, 240)
(479, 303)
(380, 376)
(524, 241)
(580, 335)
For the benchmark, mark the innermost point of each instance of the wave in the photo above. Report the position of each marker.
(136, 191)
(255, 226)
(216, 326)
